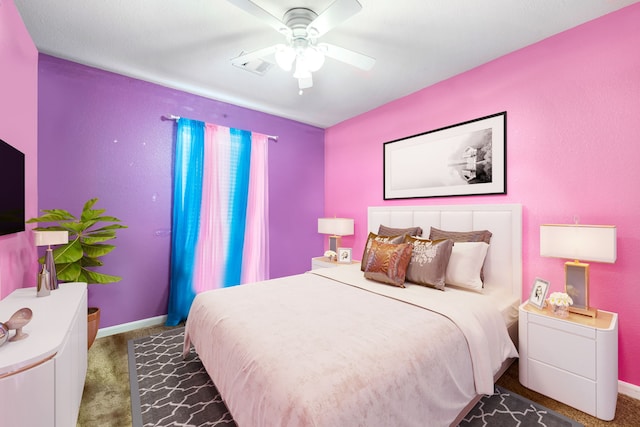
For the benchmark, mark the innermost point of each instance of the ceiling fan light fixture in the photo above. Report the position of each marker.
(305, 83)
(314, 58)
(302, 27)
(302, 70)
(285, 55)
(313, 32)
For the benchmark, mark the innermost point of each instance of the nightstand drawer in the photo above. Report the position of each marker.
(566, 351)
(563, 325)
(571, 389)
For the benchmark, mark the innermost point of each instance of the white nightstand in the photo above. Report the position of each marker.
(323, 262)
(573, 360)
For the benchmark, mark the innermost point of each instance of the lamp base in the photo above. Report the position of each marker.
(43, 288)
(51, 267)
(334, 243)
(576, 285)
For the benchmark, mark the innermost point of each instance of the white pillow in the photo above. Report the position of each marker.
(465, 264)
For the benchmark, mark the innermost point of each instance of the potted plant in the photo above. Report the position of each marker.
(76, 260)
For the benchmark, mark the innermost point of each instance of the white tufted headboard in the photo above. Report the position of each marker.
(503, 265)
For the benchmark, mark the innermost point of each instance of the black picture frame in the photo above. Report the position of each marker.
(464, 159)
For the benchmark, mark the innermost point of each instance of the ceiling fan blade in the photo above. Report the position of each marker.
(250, 56)
(255, 10)
(350, 57)
(338, 12)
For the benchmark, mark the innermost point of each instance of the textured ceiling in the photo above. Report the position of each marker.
(188, 45)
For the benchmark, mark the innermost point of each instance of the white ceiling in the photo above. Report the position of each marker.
(188, 45)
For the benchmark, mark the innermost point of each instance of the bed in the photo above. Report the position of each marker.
(330, 347)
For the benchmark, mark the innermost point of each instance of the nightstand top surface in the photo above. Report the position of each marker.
(325, 259)
(603, 320)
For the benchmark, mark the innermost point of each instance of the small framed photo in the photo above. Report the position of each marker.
(344, 255)
(539, 292)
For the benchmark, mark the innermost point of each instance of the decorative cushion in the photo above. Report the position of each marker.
(429, 260)
(462, 236)
(388, 263)
(383, 230)
(465, 264)
(374, 237)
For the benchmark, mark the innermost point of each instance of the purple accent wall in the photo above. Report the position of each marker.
(102, 135)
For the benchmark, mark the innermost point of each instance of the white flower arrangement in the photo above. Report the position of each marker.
(331, 255)
(560, 299)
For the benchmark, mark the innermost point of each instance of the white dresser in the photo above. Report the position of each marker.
(573, 360)
(42, 376)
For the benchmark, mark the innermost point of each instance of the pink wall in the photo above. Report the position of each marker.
(18, 127)
(573, 144)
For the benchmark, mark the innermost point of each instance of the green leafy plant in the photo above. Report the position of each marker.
(87, 234)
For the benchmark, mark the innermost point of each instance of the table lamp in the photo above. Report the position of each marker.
(336, 227)
(579, 243)
(48, 238)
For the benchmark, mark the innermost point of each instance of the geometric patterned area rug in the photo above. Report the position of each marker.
(505, 408)
(169, 391)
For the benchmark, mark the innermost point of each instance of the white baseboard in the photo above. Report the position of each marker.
(131, 326)
(628, 389)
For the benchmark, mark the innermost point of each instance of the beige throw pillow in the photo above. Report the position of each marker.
(429, 260)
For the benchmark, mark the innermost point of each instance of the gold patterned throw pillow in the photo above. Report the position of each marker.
(387, 263)
(375, 237)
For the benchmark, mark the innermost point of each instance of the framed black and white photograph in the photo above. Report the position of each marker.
(459, 160)
(344, 255)
(539, 292)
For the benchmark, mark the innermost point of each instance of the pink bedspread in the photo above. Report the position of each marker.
(308, 350)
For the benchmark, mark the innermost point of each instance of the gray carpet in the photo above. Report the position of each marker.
(169, 391)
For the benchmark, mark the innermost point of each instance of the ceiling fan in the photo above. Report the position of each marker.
(302, 27)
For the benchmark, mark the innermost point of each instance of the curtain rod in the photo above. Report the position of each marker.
(174, 117)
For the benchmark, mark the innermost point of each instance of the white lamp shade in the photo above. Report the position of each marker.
(579, 242)
(48, 238)
(314, 58)
(285, 55)
(335, 226)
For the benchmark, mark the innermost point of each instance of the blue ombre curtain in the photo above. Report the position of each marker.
(220, 212)
(187, 197)
(240, 142)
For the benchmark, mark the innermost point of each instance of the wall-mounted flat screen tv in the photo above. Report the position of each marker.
(11, 189)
